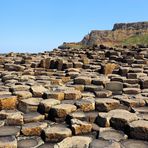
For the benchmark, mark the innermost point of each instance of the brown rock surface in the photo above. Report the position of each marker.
(62, 110)
(33, 129)
(105, 104)
(8, 102)
(56, 133)
(80, 127)
(74, 141)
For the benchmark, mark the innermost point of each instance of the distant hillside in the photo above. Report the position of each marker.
(121, 34)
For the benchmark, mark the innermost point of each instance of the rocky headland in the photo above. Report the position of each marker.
(122, 34)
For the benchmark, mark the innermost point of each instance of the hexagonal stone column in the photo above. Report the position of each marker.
(82, 80)
(72, 94)
(8, 102)
(33, 129)
(29, 105)
(56, 133)
(115, 86)
(74, 141)
(61, 110)
(139, 129)
(80, 127)
(105, 104)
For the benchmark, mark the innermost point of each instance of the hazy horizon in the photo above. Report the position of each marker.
(37, 26)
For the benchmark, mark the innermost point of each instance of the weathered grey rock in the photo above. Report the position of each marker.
(131, 81)
(8, 142)
(9, 77)
(9, 131)
(47, 145)
(56, 133)
(93, 88)
(139, 129)
(29, 142)
(131, 91)
(91, 116)
(105, 104)
(33, 129)
(14, 67)
(143, 116)
(73, 74)
(58, 95)
(15, 119)
(131, 26)
(144, 82)
(103, 119)
(80, 127)
(118, 78)
(111, 134)
(100, 81)
(45, 63)
(142, 110)
(5, 113)
(62, 110)
(22, 94)
(103, 93)
(72, 94)
(131, 143)
(114, 86)
(33, 117)
(24, 78)
(98, 143)
(38, 90)
(127, 85)
(29, 105)
(88, 95)
(19, 88)
(5, 93)
(133, 102)
(74, 141)
(46, 105)
(82, 80)
(78, 64)
(117, 118)
(120, 118)
(75, 115)
(86, 104)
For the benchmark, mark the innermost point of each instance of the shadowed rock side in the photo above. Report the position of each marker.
(95, 97)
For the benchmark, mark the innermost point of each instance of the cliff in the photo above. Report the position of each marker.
(120, 34)
(131, 26)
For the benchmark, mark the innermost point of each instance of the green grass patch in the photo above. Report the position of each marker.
(136, 40)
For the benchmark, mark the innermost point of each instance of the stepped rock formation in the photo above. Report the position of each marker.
(82, 98)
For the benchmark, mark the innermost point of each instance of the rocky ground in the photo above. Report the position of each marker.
(73, 98)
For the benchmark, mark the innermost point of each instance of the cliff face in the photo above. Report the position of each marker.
(131, 26)
(117, 35)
